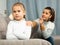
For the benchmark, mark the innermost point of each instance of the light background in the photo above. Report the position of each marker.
(34, 9)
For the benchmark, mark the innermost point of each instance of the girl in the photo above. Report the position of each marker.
(17, 28)
(46, 25)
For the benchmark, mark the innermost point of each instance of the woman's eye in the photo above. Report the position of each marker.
(18, 10)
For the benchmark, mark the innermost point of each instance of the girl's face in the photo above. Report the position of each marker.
(46, 14)
(18, 13)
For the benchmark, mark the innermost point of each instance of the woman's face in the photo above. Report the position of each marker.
(46, 14)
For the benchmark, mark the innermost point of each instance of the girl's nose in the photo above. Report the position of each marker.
(16, 13)
(43, 15)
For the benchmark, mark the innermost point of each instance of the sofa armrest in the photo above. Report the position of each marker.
(56, 39)
(24, 42)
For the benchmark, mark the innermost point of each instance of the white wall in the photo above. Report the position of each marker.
(2, 6)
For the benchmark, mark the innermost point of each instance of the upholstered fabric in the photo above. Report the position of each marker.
(24, 42)
(3, 26)
(56, 40)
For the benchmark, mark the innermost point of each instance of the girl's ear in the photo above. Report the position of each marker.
(11, 17)
(24, 16)
(24, 13)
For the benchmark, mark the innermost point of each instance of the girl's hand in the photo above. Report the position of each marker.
(42, 27)
(29, 23)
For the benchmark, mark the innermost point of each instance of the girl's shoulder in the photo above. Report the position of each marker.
(11, 22)
(51, 24)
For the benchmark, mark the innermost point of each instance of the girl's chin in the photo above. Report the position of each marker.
(17, 19)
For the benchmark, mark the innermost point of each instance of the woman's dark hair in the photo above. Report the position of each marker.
(52, 12)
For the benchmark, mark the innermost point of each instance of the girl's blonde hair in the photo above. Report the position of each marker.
(22, 7)
(19, 4)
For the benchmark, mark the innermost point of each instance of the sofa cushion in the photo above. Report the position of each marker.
(57, 39)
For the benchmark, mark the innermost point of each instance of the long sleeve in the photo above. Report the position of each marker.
(25, 34)
(21, 30)
(37, 21)
(9, 34)
(48, 30)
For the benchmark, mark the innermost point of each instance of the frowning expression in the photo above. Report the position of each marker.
(18, 13)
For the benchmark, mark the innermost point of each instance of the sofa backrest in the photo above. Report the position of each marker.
(3, 26)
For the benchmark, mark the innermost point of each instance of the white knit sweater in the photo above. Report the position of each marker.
(49, 27)
(18, 30)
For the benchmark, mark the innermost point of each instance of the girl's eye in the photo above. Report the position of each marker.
(46, 13)
(14, 11)
(43, 12)
(18, 10)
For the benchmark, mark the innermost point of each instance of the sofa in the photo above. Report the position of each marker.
(3, 26)
(57, 39)
(24, 42)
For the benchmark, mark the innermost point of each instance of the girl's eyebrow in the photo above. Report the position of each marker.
(18, 10)
(14, 11)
